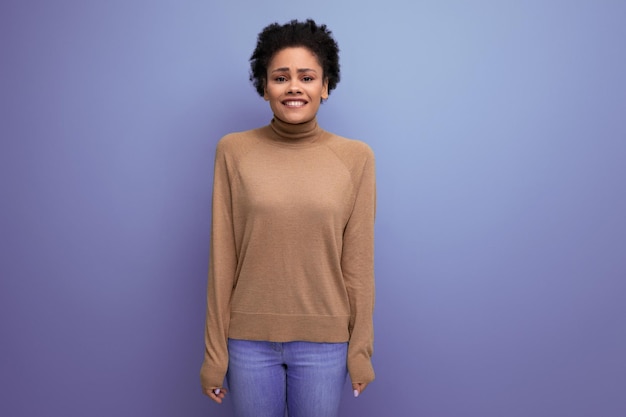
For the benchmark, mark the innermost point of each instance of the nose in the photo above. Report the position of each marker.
(293, 88)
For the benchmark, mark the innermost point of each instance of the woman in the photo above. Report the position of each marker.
(291, 281)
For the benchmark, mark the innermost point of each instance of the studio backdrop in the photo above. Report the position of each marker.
(499, 135)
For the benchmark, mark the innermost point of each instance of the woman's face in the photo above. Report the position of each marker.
(295, 85)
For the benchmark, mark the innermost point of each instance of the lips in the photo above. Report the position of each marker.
(294, 103)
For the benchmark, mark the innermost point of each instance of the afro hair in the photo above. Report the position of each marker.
(274, 38)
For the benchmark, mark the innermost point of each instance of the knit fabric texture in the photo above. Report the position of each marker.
(292, 244)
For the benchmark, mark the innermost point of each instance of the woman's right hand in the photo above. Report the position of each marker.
(216, 394)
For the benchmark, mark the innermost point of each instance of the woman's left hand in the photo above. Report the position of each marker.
(358, 389)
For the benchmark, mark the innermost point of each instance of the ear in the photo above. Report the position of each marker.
(266, 96)
(325, 89)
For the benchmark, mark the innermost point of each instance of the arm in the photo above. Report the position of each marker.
(222, 265)
(358, 269)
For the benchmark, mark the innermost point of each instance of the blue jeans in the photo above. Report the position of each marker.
(265, 378)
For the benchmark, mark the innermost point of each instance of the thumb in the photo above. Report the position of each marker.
(358, 389)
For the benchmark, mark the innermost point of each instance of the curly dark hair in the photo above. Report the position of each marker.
(316, 38)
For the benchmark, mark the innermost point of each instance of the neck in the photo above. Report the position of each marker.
(301, 133)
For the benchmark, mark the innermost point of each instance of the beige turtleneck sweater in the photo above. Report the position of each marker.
(292, 244)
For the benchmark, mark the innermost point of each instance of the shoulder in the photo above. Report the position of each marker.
(350, 149)
(238, 143)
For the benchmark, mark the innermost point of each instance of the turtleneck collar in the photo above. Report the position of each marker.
(302, 134)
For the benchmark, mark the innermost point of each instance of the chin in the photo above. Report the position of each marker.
(296, 119)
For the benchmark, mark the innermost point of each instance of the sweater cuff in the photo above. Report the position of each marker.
(211, 377)
(360, 369)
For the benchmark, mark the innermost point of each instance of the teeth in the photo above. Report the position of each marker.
(294, 103)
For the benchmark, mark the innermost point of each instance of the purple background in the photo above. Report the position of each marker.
(500, 135)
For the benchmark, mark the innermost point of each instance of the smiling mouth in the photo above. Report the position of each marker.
(294, 103)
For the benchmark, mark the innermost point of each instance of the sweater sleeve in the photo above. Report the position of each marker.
(222, 266)
(357, 263)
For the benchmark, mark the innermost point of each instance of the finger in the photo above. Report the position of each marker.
(216, 398)
(213, 396)
(358, 388)
(216, 394)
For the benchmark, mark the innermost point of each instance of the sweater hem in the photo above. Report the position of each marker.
(289, 328)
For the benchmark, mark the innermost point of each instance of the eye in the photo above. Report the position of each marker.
(280, 79)
(307, 79)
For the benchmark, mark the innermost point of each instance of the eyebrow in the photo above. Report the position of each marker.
(299, 70)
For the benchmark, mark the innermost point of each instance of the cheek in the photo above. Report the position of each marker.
(272, 93)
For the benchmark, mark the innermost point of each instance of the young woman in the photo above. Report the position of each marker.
(291, 279)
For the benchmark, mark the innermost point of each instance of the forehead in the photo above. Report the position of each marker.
(294, 57)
